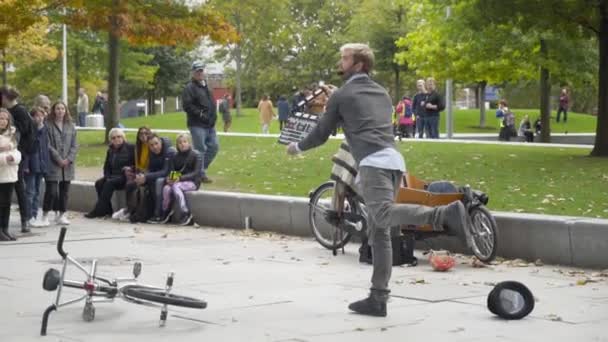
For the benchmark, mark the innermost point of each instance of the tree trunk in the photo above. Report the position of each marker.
(112, 112)
(4, 71)
(482, 100)
(151, 104)
(397, 82)
(600, 148)
(545, 92)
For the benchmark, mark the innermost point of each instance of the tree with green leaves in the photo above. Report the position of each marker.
(562, 18)
(462, 48)
(381, 23)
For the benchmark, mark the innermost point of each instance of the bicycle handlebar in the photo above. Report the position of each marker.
(60, 242)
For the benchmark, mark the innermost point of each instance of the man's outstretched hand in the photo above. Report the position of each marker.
(292, 148)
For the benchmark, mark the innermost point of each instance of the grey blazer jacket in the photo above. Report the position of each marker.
(62, 145)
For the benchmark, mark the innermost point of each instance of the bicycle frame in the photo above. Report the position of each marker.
(94, 289)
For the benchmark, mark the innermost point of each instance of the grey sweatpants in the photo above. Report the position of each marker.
(378, 187)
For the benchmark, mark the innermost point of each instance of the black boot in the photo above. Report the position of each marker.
(24, 227)
(8, 235)
(4, 237)
(455, 219)
(374, 305)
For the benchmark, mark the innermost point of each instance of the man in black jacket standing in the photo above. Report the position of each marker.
(25, 127)
(432, 105)
(199, 106)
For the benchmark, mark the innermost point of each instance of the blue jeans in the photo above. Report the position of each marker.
(82, 119)
(158, 195)
(206, 142)
(32, 192)
(432, 126)
(420, 126)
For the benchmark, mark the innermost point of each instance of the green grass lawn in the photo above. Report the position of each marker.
(560, 181)
(465, 121)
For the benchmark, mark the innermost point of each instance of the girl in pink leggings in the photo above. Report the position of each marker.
(184, 175)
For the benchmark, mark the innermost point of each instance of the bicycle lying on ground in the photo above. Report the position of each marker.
(337, 212)
(100, 289)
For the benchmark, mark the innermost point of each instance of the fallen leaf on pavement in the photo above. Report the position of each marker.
(554, 317)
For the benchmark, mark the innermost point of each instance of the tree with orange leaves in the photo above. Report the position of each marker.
(142, 23)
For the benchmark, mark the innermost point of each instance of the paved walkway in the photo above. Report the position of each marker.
(263, 287)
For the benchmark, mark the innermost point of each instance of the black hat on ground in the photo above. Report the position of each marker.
(511, 300)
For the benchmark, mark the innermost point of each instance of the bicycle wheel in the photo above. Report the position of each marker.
(484, 233)
(159, 296)
(328, 235)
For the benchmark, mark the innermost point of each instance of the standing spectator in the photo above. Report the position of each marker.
(161, 153)
(42, 101)
(62, 148)
(507, 128)
(564, 101)
(98, 104)
(526, 130)
(433, 105)
(119, 158)
(25, 130)
(200, 109)
(283, 107)
(9, 168)
(363, 108)
(501, 111)
(36, 164)
(297, 98)
(419, 98)
(225, 111)
(266, 113)
(184, 175)
(82, 107)
(405, 119)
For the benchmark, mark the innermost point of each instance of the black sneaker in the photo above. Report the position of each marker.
(25, 228)
(187, 220)
(167, 217)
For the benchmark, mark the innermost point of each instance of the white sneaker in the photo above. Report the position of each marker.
(33, 222)
(118, 214)
(125, 216)
(44, 221)
(63, 219)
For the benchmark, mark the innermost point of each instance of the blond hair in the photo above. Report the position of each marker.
(361, 53)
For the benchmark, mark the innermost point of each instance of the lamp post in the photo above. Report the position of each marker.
(64, 78)
(448, 96)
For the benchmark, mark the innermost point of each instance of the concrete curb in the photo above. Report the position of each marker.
(563, 240)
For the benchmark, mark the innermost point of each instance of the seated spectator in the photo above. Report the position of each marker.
(525, 129)
(119, 158)
(149, 184)
(184, 175)
(141, 166)
(537, 126)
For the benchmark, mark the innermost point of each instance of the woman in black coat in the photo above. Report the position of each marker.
(119, 158)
